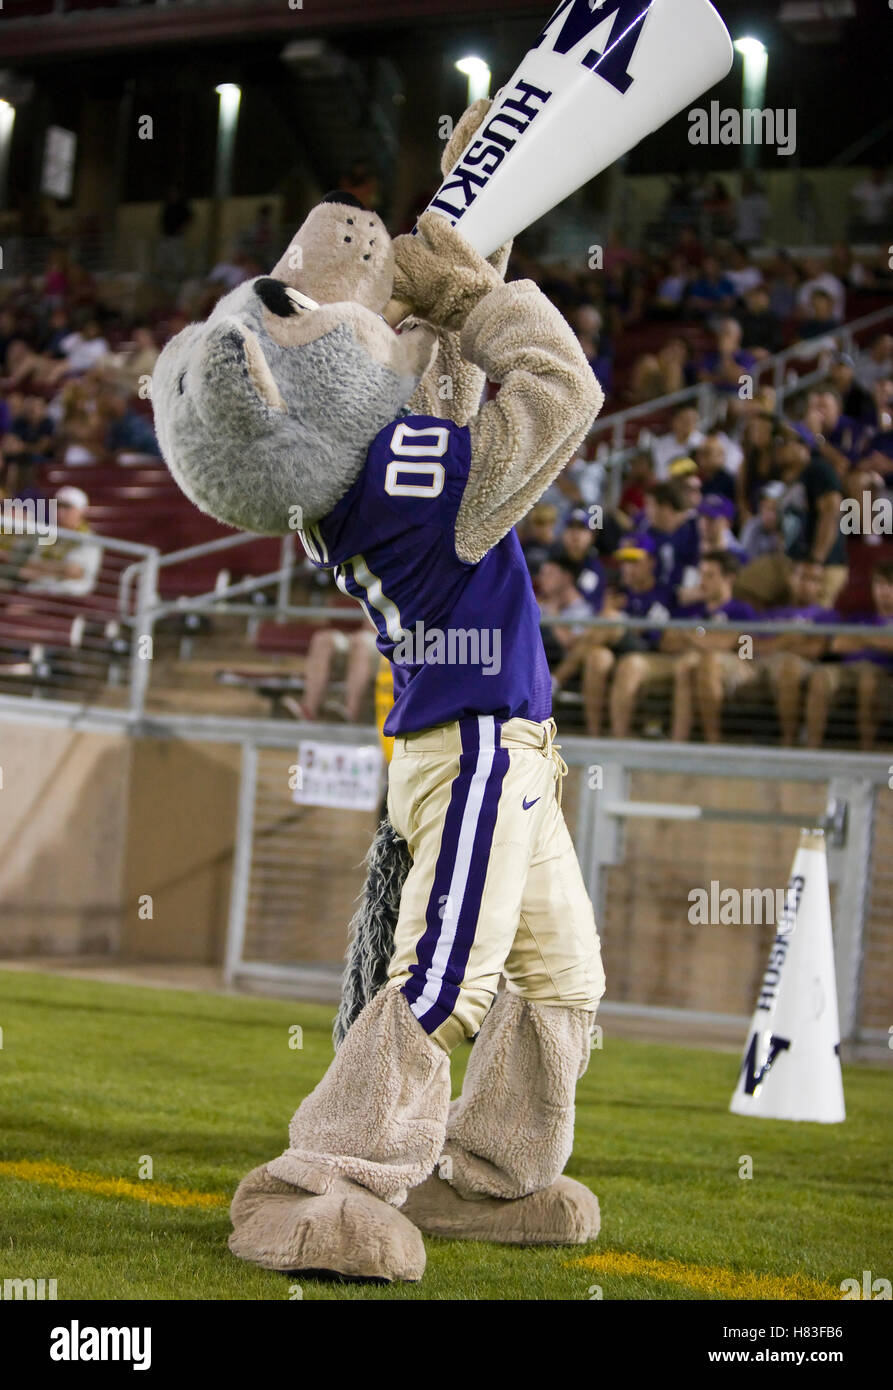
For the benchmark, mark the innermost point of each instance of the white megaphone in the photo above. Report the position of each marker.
(601, 76)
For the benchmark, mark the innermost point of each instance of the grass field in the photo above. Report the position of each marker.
(96, 1077)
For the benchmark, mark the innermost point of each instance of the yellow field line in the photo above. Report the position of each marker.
(726, 1283)
(60, 1175)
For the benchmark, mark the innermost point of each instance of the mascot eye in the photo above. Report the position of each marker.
(180, 386)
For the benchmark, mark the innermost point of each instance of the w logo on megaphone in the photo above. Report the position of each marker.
(582, 18)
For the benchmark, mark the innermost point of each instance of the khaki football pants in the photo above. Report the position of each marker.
(494, 887)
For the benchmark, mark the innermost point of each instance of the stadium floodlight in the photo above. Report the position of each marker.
(753, 89)
(7, 120)
(478, 74)
(228, 119)
(750, 47)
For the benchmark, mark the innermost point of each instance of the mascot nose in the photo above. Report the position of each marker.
(348, 199)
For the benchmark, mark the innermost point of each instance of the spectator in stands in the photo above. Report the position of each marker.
(789, 658)
(641, 657)
(683, 439)
(671, 289)
(561, 600)
(675, 533)
(57, 329)
(127, 432)
(718, 669)
(173, 221)
(716, 514)
(710, 457)
(857, 400)
(82, 350)
(57, 279)
(759, 466)
(538, 535)
(817, 279)
(784, 284)
(762, 534)
(876, 363)
(726, 365)
(232, 270)
(359, 653)
(661, 373)
(811, 508)
(711, 291)
(576, 544)
(872, 200)
(70, 566)
(639, 481)
(742, 272)
(134, 365)
(29, 440)
(866, 664)
(761, 330)
(684, 473)
(844, 437)
(751, 213)
(588, 324)
(820, 319)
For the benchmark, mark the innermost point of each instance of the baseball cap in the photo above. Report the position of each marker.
(578, 517)
(636, 548)
(682, 468)
(714, 505)
(73, 497)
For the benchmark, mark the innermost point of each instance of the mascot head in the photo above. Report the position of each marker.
(266, 411)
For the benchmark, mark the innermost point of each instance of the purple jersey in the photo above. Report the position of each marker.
(656, 603)
(735, 611)
(677, 552)
(463, 639)
(873, 654)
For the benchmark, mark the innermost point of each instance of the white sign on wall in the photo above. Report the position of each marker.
(337, 774)
(59, 151)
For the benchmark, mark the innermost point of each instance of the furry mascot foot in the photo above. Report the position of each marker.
(345, 1230)
(566, 1213)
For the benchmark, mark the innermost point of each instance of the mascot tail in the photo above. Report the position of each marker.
(372, 927)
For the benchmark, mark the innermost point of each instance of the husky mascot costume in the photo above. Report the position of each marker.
(297, 406)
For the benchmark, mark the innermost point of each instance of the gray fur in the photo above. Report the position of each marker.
(248, 462)
(372, 927)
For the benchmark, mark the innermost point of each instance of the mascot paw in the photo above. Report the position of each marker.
(346, 1230)
(564, 1214)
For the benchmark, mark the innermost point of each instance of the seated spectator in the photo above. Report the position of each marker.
(784, 285)
(128, 432)
(711, 291)
(70, 566)
(728, 362)
(872, 199)
(716, 514)
(682, 440)
(762, 534)
(560, 599)
(758, 466)
(661, 373)
(761, 330)
(866, 665)
(359, 653)
(57, 330)
(810, 509)
(710, 458)
(876, 363)
(684, 473)
(751, 212)
(538, 535)
(82, 351)
(847, 438)
(134, 365)
(639, 596)
(675, 533)
(639, 481)
(671, 289)
(28, 441)
(742, 272)
(789, 658)
(588, 325)
(857, 400)
(818, 279)
(717, 669)
(820, 319)
(577, 544)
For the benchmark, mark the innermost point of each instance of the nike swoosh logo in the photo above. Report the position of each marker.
(527, 804)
